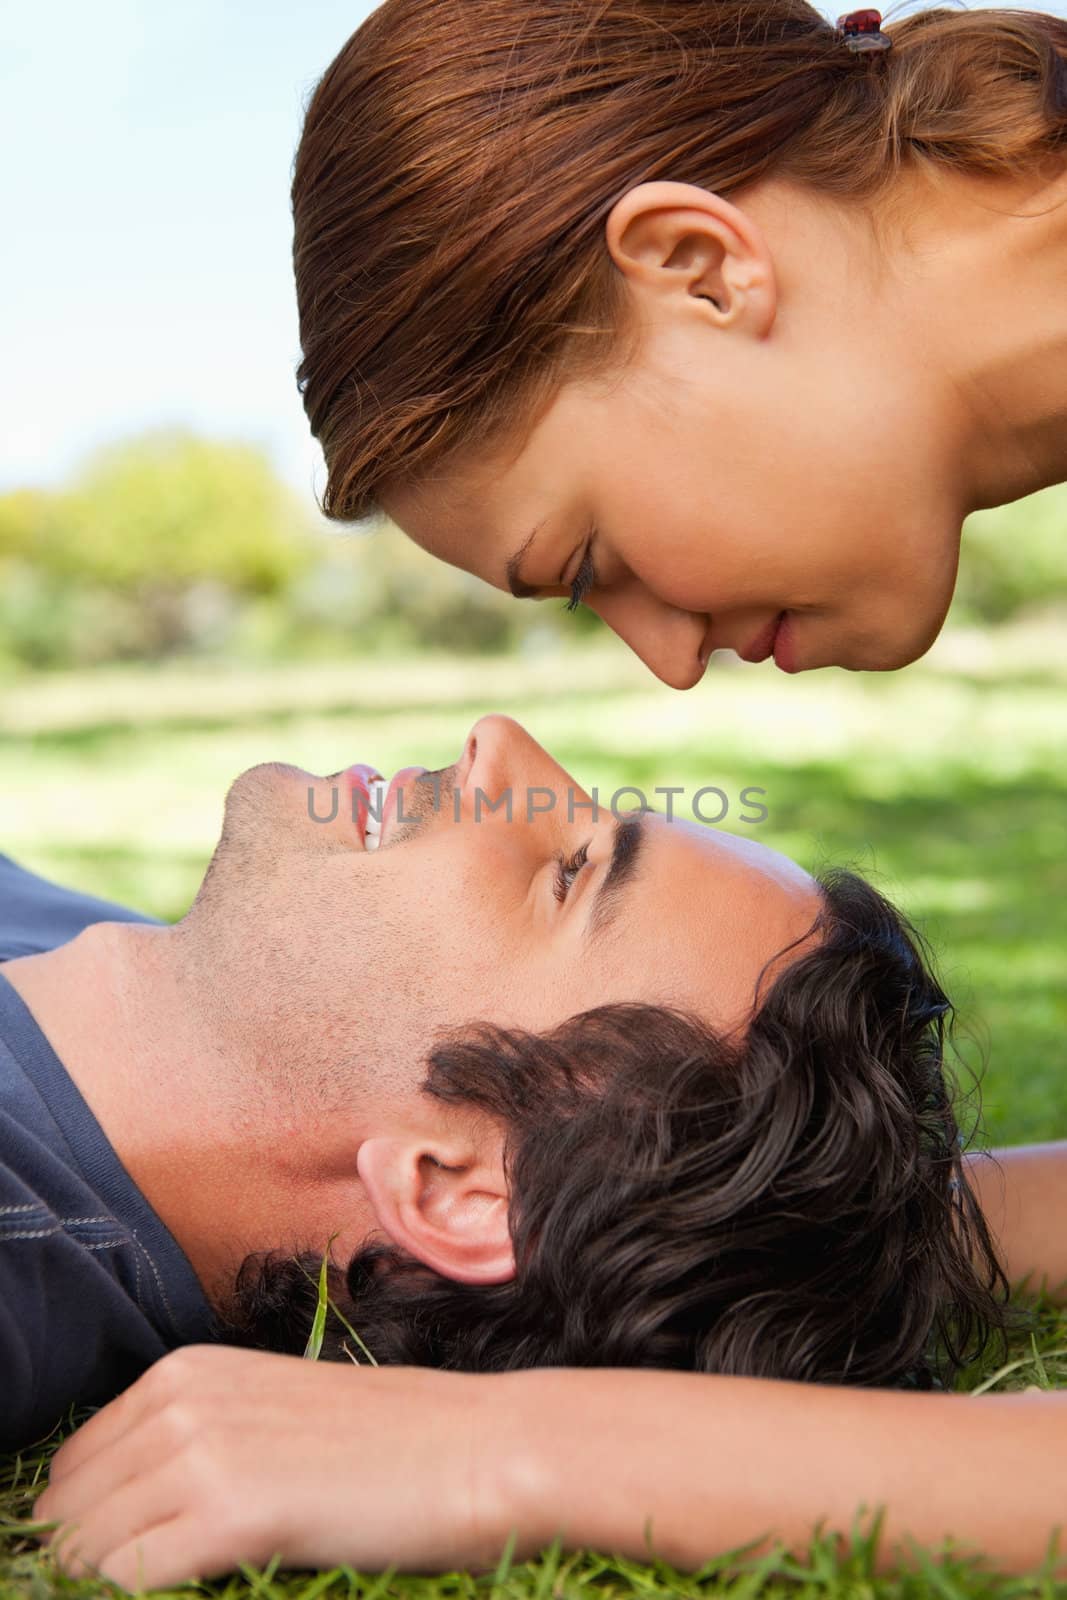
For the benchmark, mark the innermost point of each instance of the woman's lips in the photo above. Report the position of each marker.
(784, 648)
(762, 645)
(775, 639)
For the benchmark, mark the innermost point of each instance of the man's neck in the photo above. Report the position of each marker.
(227, 1170)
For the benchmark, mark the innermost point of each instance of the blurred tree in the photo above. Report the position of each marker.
(171, 507)
(379, 585)
(151, 549)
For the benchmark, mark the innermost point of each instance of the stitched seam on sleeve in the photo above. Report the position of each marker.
(159, 1282)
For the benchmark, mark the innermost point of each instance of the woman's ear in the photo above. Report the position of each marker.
(443, 1202)
(686, 243)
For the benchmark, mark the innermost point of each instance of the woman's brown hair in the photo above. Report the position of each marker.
(459, 161)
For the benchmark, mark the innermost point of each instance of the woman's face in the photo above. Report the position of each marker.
(769, 473)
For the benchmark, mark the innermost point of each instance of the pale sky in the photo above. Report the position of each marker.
(145, 275)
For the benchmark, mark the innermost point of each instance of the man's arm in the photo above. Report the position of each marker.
(1023, 1193)
(218, 1456)
(711, 1463)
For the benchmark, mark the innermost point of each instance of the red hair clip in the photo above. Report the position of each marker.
(862, 30)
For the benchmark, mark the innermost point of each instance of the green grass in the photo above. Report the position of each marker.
(946, 783)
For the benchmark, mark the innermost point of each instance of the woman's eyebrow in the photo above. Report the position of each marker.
(518, 586)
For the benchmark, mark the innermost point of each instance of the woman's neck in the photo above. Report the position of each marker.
(992, 259)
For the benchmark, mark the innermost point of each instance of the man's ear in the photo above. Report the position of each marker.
(444, 1202)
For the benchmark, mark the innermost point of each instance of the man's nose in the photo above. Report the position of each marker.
(666, 638)
(501, 758)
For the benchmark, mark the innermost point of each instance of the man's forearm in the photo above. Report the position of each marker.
(1023, 1193)
(710, 1463)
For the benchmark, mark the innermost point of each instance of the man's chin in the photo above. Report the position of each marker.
(293, 808)
(271, 812)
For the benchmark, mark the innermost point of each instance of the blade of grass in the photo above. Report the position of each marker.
(347, 1326)
(313, 1348)
(1014, 1366)
(505, 1563)
(323, 1304)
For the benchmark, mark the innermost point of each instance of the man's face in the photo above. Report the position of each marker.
(495, 894)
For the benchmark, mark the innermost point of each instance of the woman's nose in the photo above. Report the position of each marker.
(667, 639)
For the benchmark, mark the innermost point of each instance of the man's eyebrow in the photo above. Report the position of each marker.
(519, 588)
(630, 835)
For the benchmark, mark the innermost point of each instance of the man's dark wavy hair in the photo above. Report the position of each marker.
(788, 1203)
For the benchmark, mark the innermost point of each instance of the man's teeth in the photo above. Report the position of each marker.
(372, 835)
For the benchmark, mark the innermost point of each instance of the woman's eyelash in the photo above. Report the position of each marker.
(567, 869)
(584, 579)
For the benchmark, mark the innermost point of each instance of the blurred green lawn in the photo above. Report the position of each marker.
(947, 783)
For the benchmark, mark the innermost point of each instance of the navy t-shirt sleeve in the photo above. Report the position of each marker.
(68, 1332)
(93, 1287)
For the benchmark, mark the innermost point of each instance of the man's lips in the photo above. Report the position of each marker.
(359, 778)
